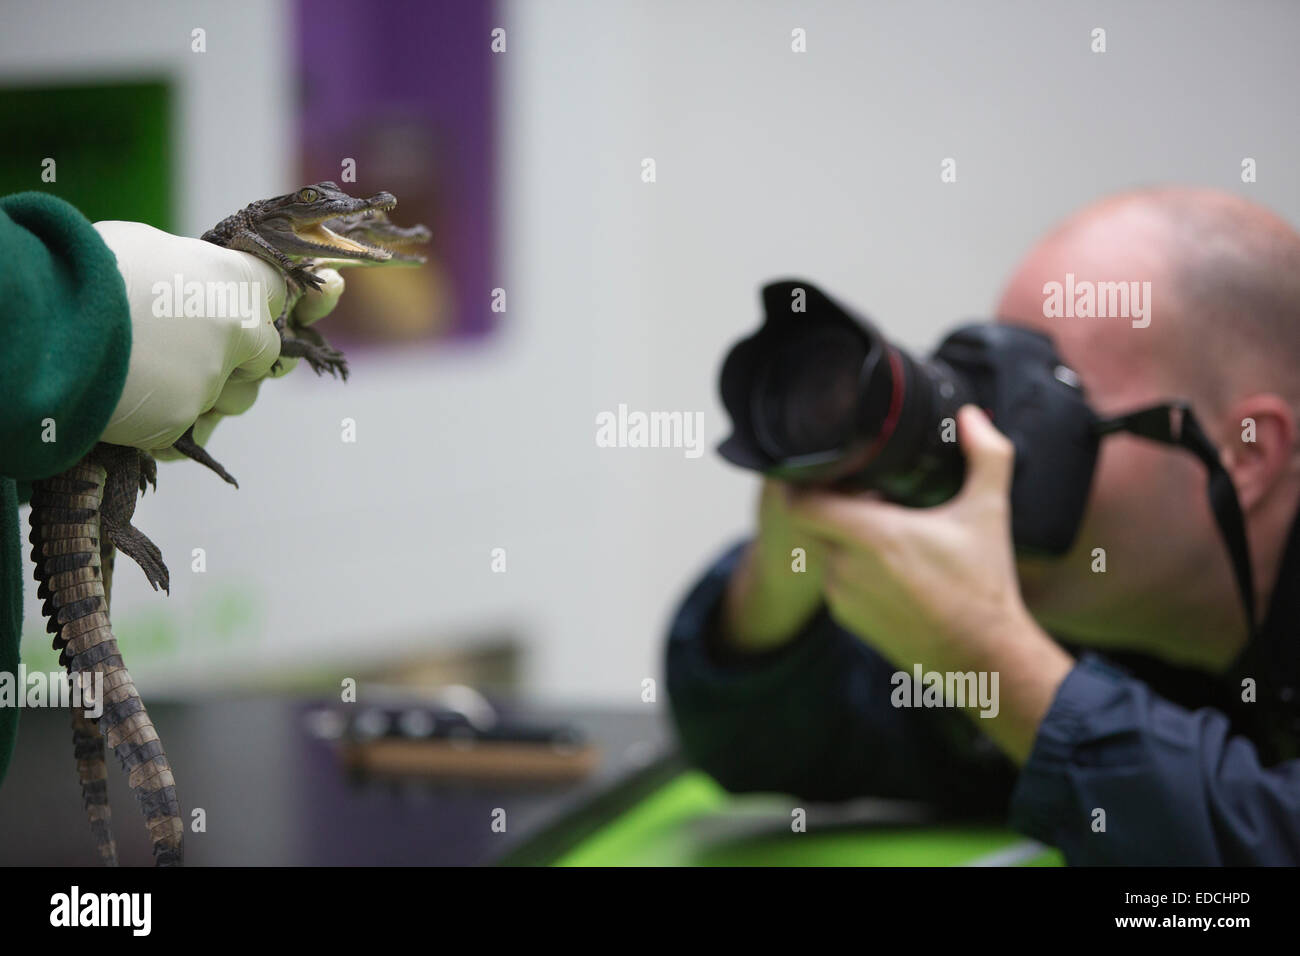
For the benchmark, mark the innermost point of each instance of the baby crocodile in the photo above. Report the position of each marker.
(298, 233)
(289, 232)
(80, 518)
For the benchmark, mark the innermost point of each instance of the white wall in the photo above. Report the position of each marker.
(824, 164)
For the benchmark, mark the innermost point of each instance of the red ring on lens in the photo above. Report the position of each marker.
(895, 409)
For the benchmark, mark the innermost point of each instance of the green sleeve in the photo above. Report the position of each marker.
(65, 335)
(65, 339)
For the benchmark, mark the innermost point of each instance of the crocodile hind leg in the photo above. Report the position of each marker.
(121, 489)
(187, 446)
(66, 543)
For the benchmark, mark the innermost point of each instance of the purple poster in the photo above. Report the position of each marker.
(404, 94)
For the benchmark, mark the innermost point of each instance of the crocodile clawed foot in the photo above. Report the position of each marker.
(332, 361)
(148, 472)
(321, 358)
(133, 543)
(301, 279)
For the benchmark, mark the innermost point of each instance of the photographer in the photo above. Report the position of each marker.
(1177, 746)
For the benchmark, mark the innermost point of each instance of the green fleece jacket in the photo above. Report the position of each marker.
(65, 338)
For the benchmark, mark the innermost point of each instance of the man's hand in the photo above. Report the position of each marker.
(193, 370)
(937, 586)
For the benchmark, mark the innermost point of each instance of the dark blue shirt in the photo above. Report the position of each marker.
(1191, 777)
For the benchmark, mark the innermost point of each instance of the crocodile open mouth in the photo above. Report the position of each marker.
(363, 234)
(318, 234)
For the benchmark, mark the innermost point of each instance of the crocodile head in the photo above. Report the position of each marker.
(296, 223)
(373, 228)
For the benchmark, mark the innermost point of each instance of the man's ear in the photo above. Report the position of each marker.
(1259, 445)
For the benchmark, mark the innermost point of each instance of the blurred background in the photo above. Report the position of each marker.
(475, 428)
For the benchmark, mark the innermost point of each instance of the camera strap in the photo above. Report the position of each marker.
(1174, 424)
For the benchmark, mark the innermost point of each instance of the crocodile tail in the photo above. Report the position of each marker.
(65, 541)
(92, 770)
(88, 746)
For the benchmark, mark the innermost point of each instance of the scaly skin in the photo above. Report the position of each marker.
(88, 745)
(76, 518)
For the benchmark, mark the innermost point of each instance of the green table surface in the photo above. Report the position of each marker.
(690, 821)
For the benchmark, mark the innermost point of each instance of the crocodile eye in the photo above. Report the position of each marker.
(308, 195)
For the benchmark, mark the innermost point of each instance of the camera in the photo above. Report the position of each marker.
(819, 396)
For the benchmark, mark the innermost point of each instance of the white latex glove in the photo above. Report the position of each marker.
(194, 370)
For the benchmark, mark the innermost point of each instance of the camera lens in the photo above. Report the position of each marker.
(806, 398)
(819, 396)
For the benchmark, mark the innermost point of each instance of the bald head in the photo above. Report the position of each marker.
(1224, 333)
(1225, 294)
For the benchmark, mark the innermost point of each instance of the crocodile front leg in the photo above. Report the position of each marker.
(308, 344)
(299, 277)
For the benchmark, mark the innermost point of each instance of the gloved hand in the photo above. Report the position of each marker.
(194, 370)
